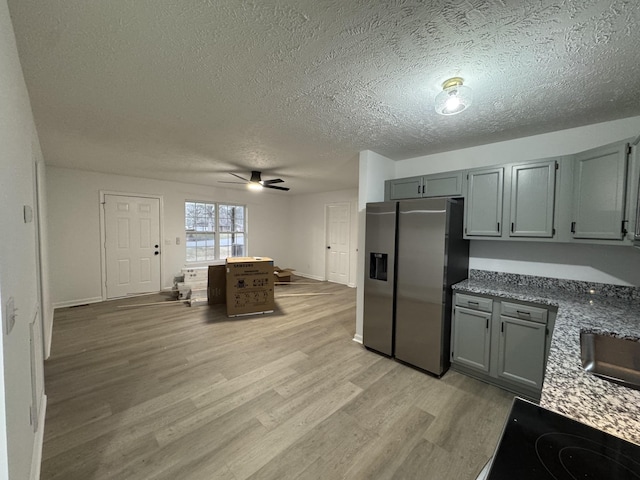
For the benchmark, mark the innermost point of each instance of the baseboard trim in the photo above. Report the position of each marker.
(351, 285)
(312, 277)
(357, 338)
(75, 303)
(47, 347)
(36, 458)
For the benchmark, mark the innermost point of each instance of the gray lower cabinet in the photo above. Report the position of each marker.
(471, 338)
(521, 356)
(506, 345)
(599, 193)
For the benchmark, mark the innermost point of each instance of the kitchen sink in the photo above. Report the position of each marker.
(614, 359)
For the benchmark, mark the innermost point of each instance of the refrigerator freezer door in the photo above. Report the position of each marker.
(422, 233)
(380, 245)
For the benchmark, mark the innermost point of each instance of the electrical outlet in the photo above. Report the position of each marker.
(10, 312)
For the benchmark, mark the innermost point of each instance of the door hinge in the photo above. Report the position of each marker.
(557, 166)
(547, 331)
(624, 230)
(553, 232)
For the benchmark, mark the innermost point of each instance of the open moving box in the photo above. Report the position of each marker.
(282, 274)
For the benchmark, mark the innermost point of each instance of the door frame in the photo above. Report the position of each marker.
(103, 233)
(326, 241)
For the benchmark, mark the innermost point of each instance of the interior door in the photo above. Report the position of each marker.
(338, 226)
(132, 245)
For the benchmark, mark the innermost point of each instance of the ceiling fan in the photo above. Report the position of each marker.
(255, 182)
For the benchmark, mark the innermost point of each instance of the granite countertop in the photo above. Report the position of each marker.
(567, 388)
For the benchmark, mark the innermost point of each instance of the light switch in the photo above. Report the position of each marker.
(28, 213)
(177, 240)
(10, 312)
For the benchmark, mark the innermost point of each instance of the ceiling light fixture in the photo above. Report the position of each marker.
(454, 97)
(254, 186)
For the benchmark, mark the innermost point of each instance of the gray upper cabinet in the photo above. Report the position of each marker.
(483, 202)
(443, 185)
(636, 236)
(533, 199)
(437, 185)
(600, 178)
(582, 198)
(401, 188)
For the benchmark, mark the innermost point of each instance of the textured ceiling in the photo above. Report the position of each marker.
(296, 88)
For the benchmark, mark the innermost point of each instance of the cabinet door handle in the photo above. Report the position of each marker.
(487, 324)
(498, 227)
(502, 327)
(573, 227)
(520, 312)
(512, 225)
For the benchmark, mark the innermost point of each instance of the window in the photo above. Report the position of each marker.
(203, 221)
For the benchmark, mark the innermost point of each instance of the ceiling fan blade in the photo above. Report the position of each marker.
(269, 182)
(238, 176)
(237, 183)
(276, 188)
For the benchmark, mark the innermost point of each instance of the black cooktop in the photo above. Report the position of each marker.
(538, 444)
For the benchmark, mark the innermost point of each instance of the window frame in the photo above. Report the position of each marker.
(217, 231)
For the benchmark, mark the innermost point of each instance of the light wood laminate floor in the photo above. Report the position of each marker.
(179, 392)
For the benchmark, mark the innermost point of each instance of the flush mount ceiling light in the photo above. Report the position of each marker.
(454, 97)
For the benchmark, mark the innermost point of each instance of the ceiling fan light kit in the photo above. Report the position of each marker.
(255, 182)
(454, 97)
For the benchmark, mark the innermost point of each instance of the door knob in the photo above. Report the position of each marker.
(329, 247)
(156, 253)
(157, 246)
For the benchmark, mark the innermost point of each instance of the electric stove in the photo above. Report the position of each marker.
(538, 444)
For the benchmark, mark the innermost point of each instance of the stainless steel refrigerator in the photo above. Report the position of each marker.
(414, 252)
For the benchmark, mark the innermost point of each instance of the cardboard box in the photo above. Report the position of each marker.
(217, 284)
(250, 283)
(282, 274)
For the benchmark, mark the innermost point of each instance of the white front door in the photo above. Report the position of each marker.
(338, 226)
(132, 245)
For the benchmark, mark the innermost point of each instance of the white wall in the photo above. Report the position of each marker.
(563, 142)
(374, 170)
(307, 237)
(18, 274)
(74, 226)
